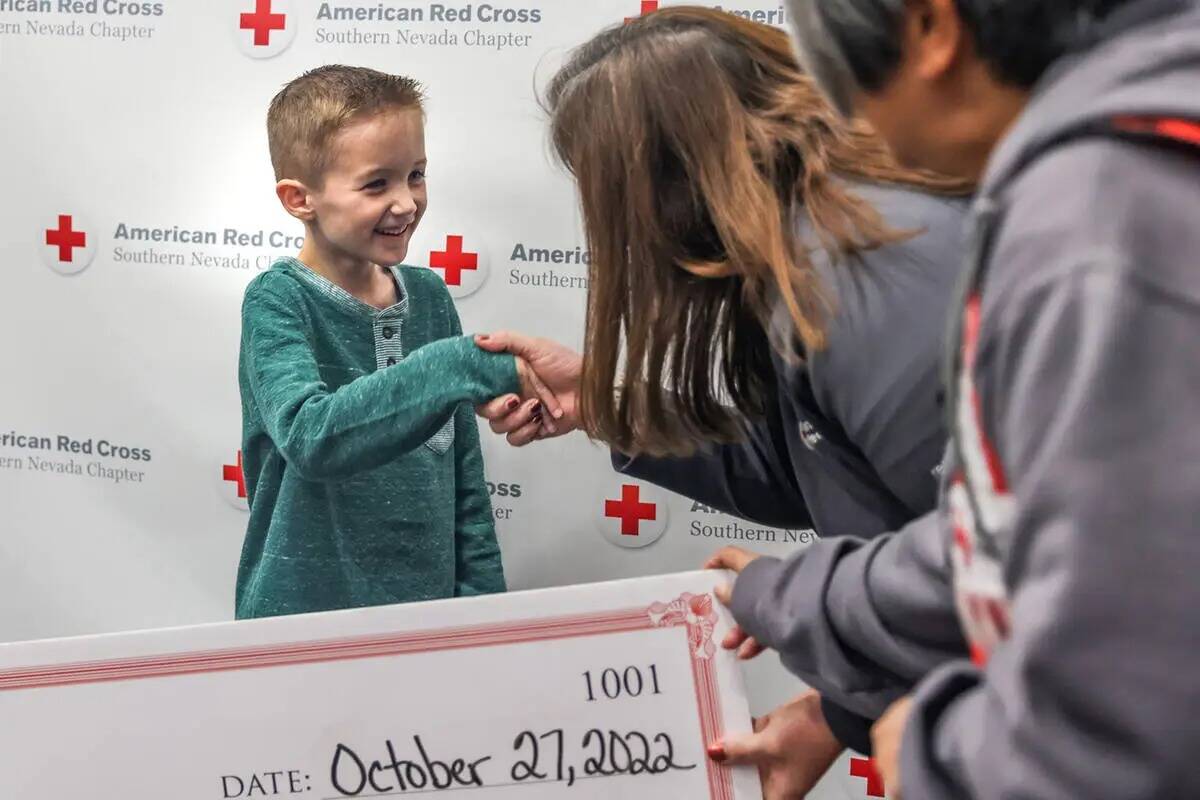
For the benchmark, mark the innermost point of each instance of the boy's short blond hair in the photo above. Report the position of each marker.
(310, 110)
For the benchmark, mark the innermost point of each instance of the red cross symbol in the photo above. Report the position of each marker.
(865, 768)
(262, 22)
(65, 239)
(630, 510)
(647, 7)
(453, 260)
(234, 474)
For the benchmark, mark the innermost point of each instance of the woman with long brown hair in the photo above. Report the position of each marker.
(766, 300)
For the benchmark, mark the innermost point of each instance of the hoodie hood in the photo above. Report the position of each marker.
(1144, 60)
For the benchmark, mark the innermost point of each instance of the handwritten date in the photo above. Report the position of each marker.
(546, 757)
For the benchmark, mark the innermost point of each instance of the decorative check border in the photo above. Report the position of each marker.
(694, 613)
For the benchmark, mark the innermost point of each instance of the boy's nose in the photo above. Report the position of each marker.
(404, 204)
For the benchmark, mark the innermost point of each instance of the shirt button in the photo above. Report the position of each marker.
(391, 362)
(388, 333)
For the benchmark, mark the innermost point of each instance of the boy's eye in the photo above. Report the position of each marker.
(378, 183)
(417, 175)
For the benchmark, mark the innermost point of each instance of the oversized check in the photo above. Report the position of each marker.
(608, 690)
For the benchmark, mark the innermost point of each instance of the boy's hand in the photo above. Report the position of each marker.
(558, 367)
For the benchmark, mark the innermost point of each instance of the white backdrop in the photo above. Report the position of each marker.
(137, 204)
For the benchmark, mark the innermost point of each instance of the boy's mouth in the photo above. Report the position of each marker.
(395, 231)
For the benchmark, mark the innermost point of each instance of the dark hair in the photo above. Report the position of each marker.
(1018, 39)
(696, 142)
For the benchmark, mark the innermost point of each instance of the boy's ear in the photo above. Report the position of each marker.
(296, 199)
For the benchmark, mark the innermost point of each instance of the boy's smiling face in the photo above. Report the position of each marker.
(373, 194)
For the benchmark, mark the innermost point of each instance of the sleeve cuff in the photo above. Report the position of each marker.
(506, 372)
(755, 582)
(852, 730)
(932, 739)
(478, 375)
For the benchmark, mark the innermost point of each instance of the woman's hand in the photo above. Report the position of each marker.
(556, 367)
(735, 559)
(539, 399)
(792, 748)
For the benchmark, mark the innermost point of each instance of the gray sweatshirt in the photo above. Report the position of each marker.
(853, 440)
(1067, 538)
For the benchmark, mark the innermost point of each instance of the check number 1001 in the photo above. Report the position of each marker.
(629, 682)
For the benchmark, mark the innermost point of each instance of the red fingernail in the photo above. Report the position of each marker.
(483, 337)
(513, 403)
(537, 408)
(717, 752)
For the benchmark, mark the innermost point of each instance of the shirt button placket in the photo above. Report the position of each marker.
(386, 343)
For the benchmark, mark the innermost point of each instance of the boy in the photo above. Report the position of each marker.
(362, 458)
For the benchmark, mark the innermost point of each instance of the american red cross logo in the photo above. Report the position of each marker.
(65, 239)
(865, 768)
(630, 510)
(262, 22)
(453, 260)
(647, 7)
(234, 474)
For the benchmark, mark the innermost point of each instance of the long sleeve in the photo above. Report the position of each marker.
(1095, 694)
(479, 568)
(330, 433)
(1090, 386)
(861, 621)
(749, 479)
(852, 730)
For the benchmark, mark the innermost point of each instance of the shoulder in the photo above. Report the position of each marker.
(930, 255)
(936, 221)
(927, 258)
(277, 281)
(1124, 208)
(278, 290)
(881, 297)
(423, 281)
(908, 208)
(890, 304)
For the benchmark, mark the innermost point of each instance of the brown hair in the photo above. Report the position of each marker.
(310, 110)
(695, 140)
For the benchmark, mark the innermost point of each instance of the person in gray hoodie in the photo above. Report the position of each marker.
(835, 420)
(1067, 539)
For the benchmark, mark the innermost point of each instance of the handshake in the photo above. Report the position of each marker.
(549, 374)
